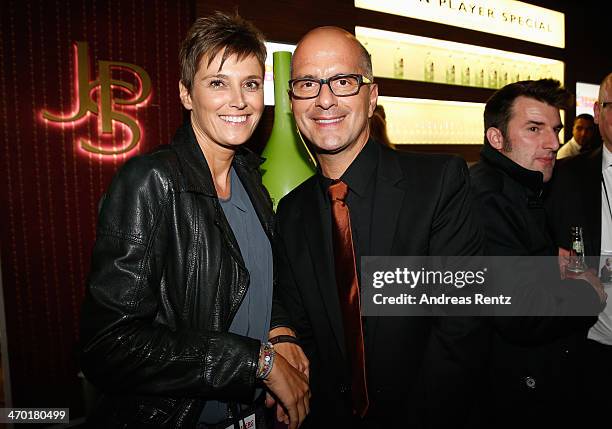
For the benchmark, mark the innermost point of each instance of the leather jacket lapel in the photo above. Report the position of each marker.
(193, 163)
(198, 179)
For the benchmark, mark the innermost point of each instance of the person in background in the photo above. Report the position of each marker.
(583, 133)
(366, 199)
(581, 195)
(378, 126)
(176, 316)
(606, 271)
(532, 372)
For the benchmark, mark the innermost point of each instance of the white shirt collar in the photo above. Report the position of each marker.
(606, 159)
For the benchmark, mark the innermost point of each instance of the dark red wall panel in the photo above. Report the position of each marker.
(49, 186)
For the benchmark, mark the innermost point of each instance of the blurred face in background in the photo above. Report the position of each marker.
(583, 131)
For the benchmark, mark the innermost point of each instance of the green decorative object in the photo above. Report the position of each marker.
(288, 162)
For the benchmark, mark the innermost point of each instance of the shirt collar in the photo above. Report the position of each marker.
(358, 175)
(606, 158)
(237, 194)
(574, 144)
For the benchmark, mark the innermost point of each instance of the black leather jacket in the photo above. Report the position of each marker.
(166, 280)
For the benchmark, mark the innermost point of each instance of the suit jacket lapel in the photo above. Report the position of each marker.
(592, 190)
(388, 201)
(317, 226)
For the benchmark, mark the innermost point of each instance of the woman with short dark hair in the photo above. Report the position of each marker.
(177, 310)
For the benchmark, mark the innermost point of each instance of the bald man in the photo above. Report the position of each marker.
(368, 372)
(581, 194)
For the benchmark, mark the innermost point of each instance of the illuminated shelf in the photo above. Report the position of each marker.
(420, 121)
(507, 18)
(423, 121)
(415, 89)
(424, 59)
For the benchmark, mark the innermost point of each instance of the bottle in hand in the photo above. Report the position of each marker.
(576, 263)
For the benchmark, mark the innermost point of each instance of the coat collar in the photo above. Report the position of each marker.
(194, 166)
(533, 180)
(198, 178)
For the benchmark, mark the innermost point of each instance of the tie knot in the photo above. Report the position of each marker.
(338, 190)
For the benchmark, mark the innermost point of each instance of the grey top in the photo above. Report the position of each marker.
(253, 316)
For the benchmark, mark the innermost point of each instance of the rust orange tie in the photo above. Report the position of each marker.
(348, 293)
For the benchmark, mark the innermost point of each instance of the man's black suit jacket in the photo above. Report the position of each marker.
(421, 207)
(575, 200)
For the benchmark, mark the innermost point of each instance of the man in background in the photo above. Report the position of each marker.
(581, 195)
(532, 372)
(582, 135)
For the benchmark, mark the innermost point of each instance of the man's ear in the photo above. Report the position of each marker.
(373, 99)
(495, 138)
(184, 96)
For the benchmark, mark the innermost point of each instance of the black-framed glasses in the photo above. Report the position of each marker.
(605, 104)
(341, 85)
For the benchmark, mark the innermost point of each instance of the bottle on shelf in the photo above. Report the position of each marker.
(516, 73)
(466, 72)
(451, 69)
(429, 67)
(493, 73)
(479, 74)
(398, 63)
(503, 75)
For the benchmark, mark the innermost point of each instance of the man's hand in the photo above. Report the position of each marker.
(564, 256)
(589, 275)
(290, 387)
(296, 357)
(292, 352)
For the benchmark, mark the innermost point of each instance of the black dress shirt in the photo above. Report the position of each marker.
(360, 177)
